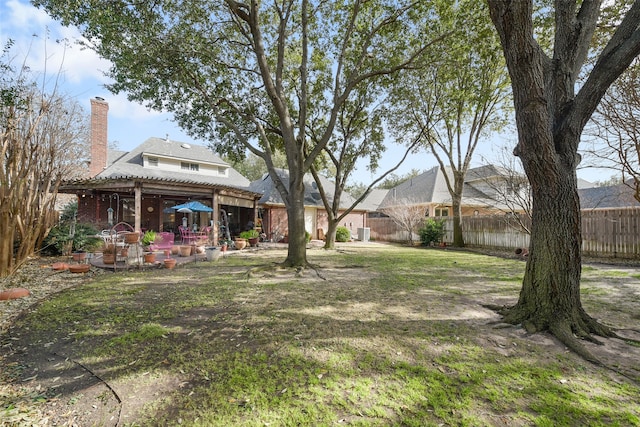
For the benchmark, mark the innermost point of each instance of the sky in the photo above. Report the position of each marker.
(81, 76)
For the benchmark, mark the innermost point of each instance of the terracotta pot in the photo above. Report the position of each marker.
(223, 248)
(131, 237)
(79, 256)
(79, 268)
(185, 250)
(253, 242)
(108, 258)
(240, 243)
(124, 252)
(175, 250)
(60, 266)
(150, 258)
(167, 252)
(170, 263)
(199, 249)
(14, 293)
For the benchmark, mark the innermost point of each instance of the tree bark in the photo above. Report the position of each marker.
(550, 119)
(456, 202)
(297, 247)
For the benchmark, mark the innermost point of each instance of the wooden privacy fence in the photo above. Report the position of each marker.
(605, 232)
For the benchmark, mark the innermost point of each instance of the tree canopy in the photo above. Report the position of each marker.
(255, 75)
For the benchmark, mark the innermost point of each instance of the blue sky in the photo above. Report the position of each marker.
(81, 76)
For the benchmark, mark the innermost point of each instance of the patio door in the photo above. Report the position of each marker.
(310, 221)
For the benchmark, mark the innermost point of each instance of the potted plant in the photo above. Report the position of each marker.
(148, 238)
(224, 244)
(251, 236)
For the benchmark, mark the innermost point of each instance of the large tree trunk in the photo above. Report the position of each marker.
(458, 238)
(550, 294)
(330, 236)
(550, 118)
(297, 249)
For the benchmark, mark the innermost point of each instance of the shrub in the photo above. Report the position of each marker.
(59, 241)
(431, 232)
(342, 234)
(307, 236)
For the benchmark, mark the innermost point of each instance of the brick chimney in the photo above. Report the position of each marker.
(99, 112)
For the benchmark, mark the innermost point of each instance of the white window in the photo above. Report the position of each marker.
(189, 166)
(153, 161)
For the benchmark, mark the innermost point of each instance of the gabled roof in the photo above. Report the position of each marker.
(271, 196)
(428, 187)
(614, 196)
(372, 202)
(130, 164)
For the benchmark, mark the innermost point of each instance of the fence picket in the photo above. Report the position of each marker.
(605, 232)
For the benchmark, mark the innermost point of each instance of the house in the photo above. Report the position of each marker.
(613, 196)
(273, 213)
(141, 186)
(483, 193)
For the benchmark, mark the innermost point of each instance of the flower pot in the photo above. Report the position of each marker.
(149, 258)
(212, 253)
(170, 263)
(167, 252)
(79, 268)
(108, 258)
(175, 250)
(131, 237)
(253, 242)
(79, 256)
(240, 243)
(14, 293)
(223, 248)
(124, 252)
(199, 249)
(60, 266)
(185, 250)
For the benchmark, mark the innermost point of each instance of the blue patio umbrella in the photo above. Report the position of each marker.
(194, 206)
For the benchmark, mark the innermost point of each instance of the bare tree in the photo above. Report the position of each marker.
(511, 191)
(406, 214)
(41, 137)
(618, 130)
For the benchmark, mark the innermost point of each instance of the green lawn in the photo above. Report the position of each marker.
(376, 335)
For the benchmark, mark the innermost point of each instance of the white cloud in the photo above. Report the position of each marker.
(47, 45)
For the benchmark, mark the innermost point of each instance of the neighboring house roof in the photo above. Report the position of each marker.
(130, 164)
(271, 195)
(430, 188)
(614, 196)
(372, 202)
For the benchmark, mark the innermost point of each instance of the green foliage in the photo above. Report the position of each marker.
(59, 241)
(250, 234)
(342, 234)
(148, 237)
(307, 236)
(432, 231)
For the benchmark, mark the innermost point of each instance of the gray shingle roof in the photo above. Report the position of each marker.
(130, 164)
(615, 196)
(312, 197)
